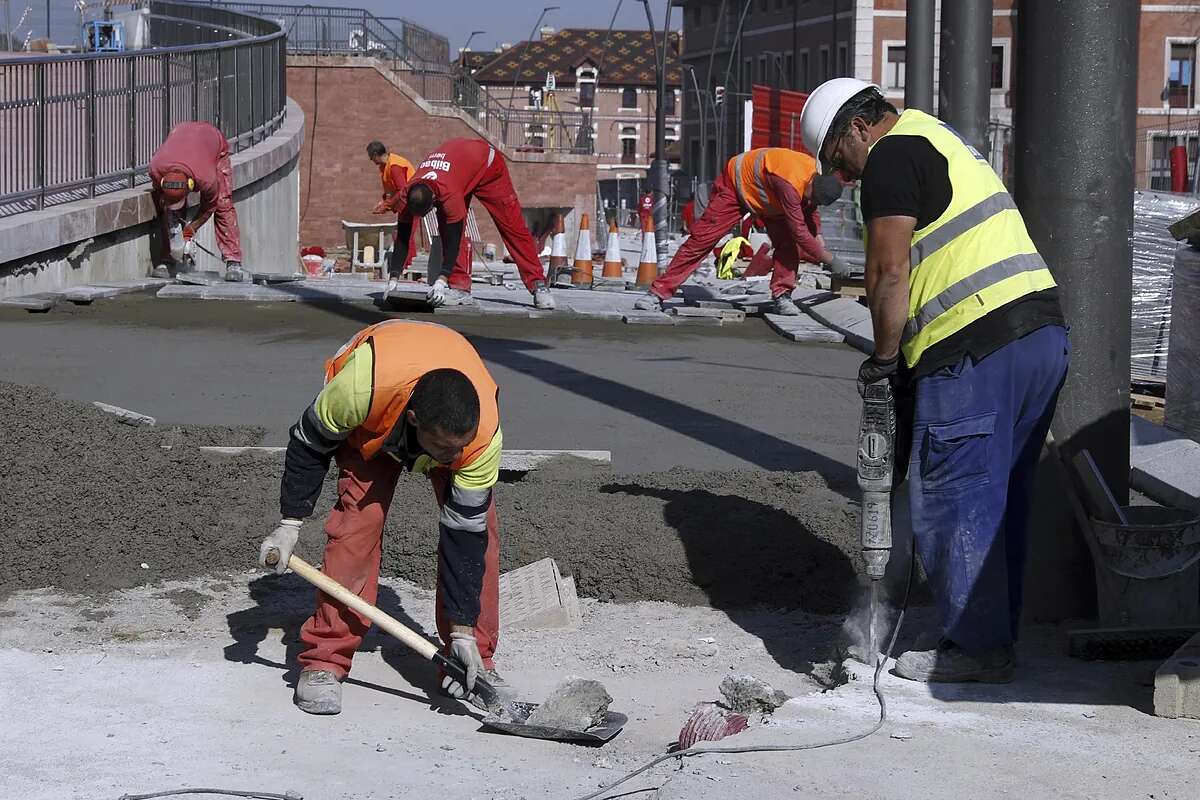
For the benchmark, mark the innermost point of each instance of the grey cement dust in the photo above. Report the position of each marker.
(576, 704)
(88, 501)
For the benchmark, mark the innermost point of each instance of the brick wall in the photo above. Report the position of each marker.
(350, 106)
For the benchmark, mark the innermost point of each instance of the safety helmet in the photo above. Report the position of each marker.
(174, 188)
(822, 107)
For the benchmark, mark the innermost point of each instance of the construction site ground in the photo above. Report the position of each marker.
(144, 651)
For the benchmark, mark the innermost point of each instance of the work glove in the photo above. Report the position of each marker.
(393, 282)
(876, 369)
(189, 248)
(838, 266)
(381, 207)
(465, 650)
(282, 539)
(437, 293)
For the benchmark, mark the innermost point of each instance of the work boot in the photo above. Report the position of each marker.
(786, 307)
(234, 272)
(651, 302)
(161, 271)
(319, 692)
(541, 297)
(947, 663)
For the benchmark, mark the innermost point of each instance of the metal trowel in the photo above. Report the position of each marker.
(503, 715)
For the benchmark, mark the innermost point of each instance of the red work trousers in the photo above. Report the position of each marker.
(229, 237)
(496, 192)
(724, 210)
(352, 556)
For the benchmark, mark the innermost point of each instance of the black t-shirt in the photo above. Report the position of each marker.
(907, 176)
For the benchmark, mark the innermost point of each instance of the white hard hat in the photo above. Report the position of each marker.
(822, 105)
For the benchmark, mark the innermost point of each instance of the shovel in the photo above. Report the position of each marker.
(503, 716)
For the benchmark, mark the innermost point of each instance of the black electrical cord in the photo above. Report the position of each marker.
(228, 792)
(881, 661)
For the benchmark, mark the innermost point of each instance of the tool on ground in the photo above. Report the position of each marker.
(503, 715)
(876, 452)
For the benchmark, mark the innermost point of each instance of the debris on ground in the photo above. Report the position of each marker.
(709, 722)
(576, 704)
(747, 694)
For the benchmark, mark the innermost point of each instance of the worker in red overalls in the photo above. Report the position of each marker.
(446, 181)
(195, 158)
(782, 188)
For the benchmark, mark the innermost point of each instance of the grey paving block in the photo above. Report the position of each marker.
(1177, 683)
(537, 596)
(711, 303)
(83, 295)
(125, 415)
(802, 328)
(695, 311)
(37, 303)
(610, 285)
(1164, 464)
(525, 460)
(134, 286)
(200, 278)
(647, 318)
(848, 318)
(276, 277)
(699, 322)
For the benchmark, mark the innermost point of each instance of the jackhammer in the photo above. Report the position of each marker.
(876, 453)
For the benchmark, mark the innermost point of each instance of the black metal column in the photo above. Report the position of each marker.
(964, 91)
(918, 55)
(1074, 183)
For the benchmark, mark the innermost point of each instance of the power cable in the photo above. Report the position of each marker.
(227, 792)
(880, 661)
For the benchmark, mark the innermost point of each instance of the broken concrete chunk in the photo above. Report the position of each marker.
(575, 704)
(747, 694)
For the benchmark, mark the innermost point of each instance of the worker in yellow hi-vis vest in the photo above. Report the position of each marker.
(966, 316)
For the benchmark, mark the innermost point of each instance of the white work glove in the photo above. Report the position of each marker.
(282, 539)
(465, 650)
(176, 241)
(189, 249)
(393, 282)
(437, 293)
(838, 266)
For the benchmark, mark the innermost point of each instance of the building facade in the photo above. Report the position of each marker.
(610, 79)
(798, 44)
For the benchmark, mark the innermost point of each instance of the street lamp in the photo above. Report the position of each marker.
(467, 46)
(659, 178)
(703, 166)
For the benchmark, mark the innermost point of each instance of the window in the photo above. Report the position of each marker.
(803, 79)
(1160, 159)
(843, 57)
(789, 77)
(628, 144)
(997, 66)
(671, 132)
(747, 74)
(762, 69)
(825, 65)
(1181, 83)
(893, 69)
(629, 98)
(669, 101)
(587, 94)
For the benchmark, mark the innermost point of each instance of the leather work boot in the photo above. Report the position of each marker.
(786, 307)
(649, 302)
(319, 692)
(948, 664)
(542, 298)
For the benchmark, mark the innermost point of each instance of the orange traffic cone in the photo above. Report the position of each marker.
(581, 276)
(648, 268)
(613, 266)
(558, 250)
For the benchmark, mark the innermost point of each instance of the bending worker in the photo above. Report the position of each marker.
(780, 186)
(965, 309)
(195, 158)
(394, 172)
(447, 180)
(399, 396)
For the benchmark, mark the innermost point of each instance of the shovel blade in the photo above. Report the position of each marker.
(598, 734)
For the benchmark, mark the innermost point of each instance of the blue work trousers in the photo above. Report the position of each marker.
(978, 429)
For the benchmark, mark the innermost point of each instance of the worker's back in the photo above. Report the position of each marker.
(747, 173)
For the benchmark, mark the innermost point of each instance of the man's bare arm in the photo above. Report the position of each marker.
(888, 243)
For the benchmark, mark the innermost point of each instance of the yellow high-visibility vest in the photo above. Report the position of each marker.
(974, 258)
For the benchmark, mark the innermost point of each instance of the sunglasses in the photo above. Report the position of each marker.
(835, 160)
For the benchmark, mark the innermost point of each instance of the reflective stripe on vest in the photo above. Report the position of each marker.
(976, 257)
(759, 187)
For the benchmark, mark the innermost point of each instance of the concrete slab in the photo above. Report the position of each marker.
(227, 291)
(276, 277)
(695, 311)
(699, 322)
(647, 318)
(36, 303)
(1164, 464)
(200, 278)
(537, 596)
(802, 329)
(84, 295)
(711, 304)
(134, 286)
(848, 318)
(1177, 683)
(125, 415)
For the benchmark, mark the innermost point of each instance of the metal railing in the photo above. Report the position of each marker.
(78, 126)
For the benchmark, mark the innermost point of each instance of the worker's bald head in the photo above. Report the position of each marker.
(420, 200)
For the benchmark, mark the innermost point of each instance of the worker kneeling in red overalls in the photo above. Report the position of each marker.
(195, 158)
(399, 396)
(446, 181)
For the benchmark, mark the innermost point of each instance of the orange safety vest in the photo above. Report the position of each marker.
(393, 160)
(404, 351)
(747, 173)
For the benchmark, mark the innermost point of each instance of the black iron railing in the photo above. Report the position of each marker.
(77, 126)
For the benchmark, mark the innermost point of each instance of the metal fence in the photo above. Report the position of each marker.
(76, 126)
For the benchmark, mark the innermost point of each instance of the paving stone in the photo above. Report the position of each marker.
(140, 285)
(647, 318)
(1177, 683)
(695, 311)
(537, 596)
(125, 415)
(802, 328)
(711, 304)
(610, 285)
(276, 277)
(699, 322)
(847, 317)
(1164, 464)
(525, 460)
(36, 303)
(200, 278)
(83, 295)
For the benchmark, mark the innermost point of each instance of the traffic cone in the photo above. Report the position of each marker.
(558, 250)
(581, 276)
(613, 266)
(648, 268)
